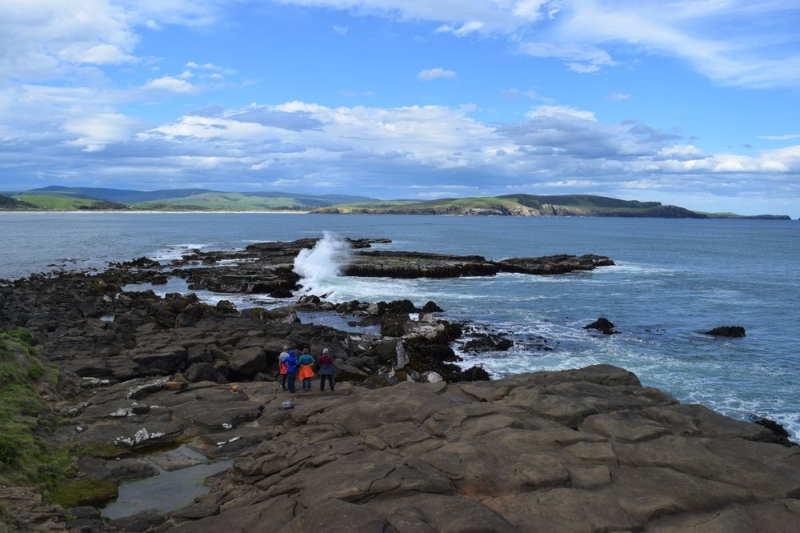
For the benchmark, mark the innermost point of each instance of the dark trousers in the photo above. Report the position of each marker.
(283, 381)
(322, 378)
(290, 376)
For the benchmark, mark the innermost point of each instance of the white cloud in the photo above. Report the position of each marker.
(46, 39)
(579, 58)
(340, 30)
(94, 132)
(787, 137)
(735, 42)
(463, 29)
(554, 110)
(413, 151)
(434, 73)
(618, 97)
(170, 84)
(100, 54)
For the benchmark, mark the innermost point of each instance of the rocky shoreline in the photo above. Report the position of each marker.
(409, 441)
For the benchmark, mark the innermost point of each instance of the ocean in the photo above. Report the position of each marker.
(673, 279)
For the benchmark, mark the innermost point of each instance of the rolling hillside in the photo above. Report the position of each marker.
(529, 205)
(523, 205)
(88, 198)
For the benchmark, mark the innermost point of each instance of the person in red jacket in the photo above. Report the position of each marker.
(326, 369)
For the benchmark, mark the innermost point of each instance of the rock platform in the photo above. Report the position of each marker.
(583, 450)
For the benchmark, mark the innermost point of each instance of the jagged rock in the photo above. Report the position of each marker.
(781, 436)
(603, 325)
(431, 307)
(488, 343)
(554, 264)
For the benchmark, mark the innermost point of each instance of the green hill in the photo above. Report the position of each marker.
(526, 205)
(66, 203)
(229, 201)
(88, 198)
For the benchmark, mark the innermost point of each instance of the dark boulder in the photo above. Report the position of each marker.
(475, 373)
(401, 306)
(488, 343)
(603, 325)
(281, 293)
(201, 372)
(431, 307)
(727, 331)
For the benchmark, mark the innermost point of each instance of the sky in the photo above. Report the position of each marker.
(690, 103)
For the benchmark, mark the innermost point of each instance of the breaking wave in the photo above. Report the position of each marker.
(320, 267)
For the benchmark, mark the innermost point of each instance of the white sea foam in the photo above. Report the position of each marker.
(176, 251)
(320, 267)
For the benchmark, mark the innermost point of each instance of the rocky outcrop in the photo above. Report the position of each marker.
(727, 331)
(602, 325)
(428, 265)
(554, 264)
(571, 451)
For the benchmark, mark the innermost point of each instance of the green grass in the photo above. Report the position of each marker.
(56, 203)
(484, 202)
(85, 492)
(224, 202)
(28, 457)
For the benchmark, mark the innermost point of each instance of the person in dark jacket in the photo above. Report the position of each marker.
(291, 370)
(326, 369)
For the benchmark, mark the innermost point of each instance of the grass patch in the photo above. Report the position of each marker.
(28, 457)
(225, 202)
(56, 203)
(93, 492)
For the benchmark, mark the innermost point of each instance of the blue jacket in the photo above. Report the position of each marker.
(291, 362)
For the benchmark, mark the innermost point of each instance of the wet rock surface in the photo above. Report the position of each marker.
(504, 455)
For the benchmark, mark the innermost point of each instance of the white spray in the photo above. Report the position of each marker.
(320, 266)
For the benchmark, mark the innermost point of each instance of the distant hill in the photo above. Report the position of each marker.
(57, 198)
(91, 198)
(530, 205)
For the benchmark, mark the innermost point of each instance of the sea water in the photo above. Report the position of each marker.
(673, 279)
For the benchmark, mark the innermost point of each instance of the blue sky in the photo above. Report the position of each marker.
(693, 103)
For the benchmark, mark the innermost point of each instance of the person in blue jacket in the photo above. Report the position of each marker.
(291, 370)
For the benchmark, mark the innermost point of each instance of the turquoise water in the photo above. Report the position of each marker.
(673, 279)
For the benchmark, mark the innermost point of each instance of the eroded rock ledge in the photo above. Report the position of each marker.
(573, 451)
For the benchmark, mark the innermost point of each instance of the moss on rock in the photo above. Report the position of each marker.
(93, 492)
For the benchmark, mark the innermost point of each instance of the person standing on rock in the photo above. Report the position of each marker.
(282, 365)
(326, 369)
(291, 370)
(306, 363)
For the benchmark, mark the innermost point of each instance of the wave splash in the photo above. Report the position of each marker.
(320, 267)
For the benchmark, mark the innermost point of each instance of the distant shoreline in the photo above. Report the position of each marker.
(149, 212)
